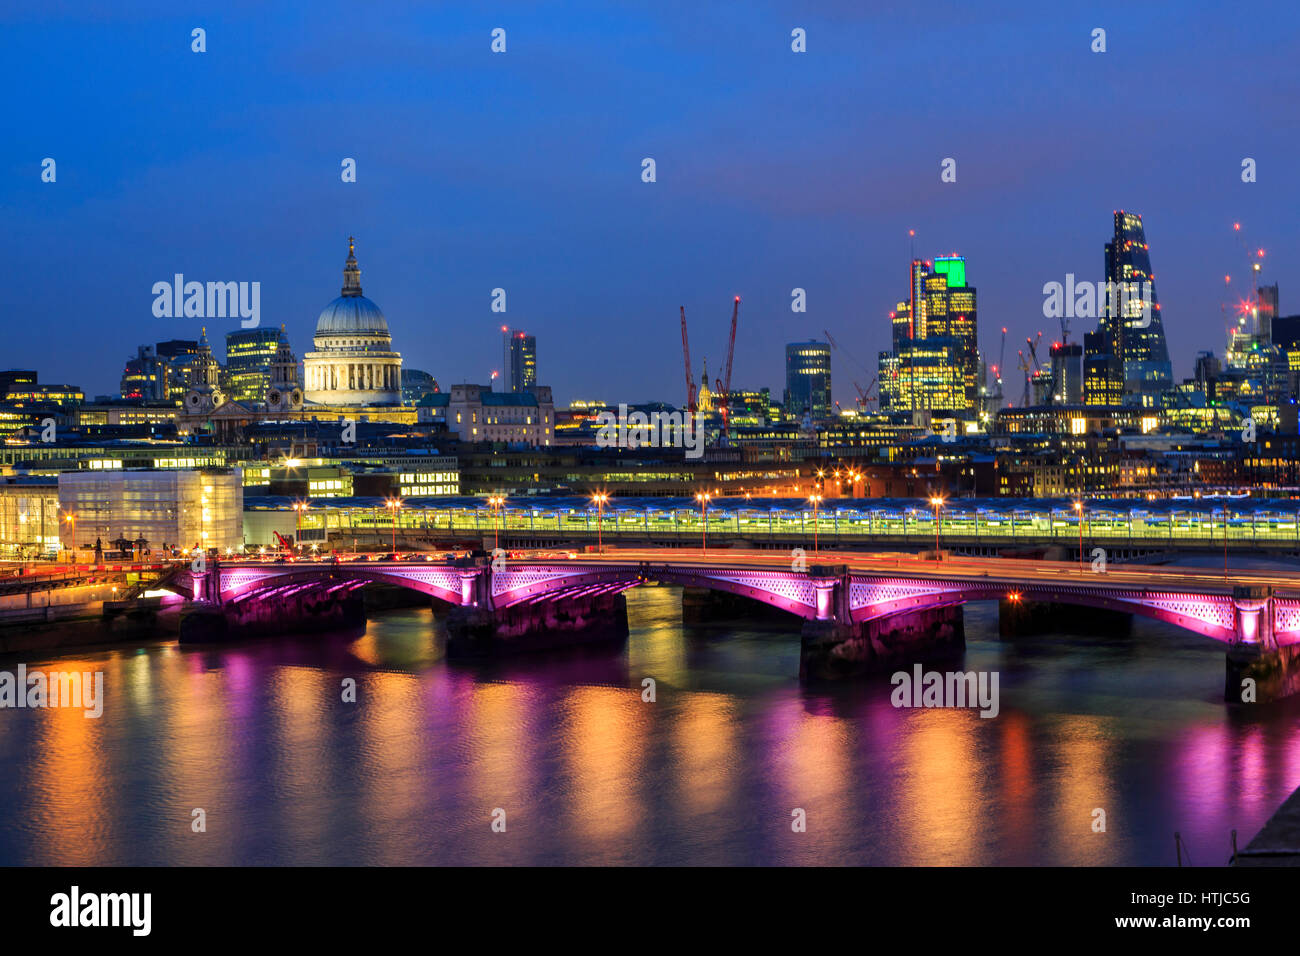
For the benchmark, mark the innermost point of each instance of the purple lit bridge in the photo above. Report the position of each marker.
(872, 608)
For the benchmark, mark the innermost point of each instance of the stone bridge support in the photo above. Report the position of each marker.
(210, 618)
(1258, 668)
(834, 645)
(538, 625)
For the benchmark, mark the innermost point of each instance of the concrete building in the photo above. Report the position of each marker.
(475, 413)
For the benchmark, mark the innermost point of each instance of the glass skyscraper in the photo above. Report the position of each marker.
(935, 364)
(808, 380)
(520, 360)
(1139, 354)
(249, 353)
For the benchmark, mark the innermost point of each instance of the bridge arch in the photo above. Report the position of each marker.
(1211, 616)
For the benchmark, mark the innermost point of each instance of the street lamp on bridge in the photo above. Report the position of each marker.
(937, 502)
(816, 500)
(299, 507)
(1078, 510)
(71, 519)
(394, 505)
(599, 498)
(496, 502)
(703, 498)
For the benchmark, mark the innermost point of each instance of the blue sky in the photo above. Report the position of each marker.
(522, 170)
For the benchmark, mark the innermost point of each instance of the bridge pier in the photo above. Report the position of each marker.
(830, 650)
(834, 646)
(488, 632)
(1258, 669)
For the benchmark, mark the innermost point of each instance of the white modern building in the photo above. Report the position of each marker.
(175, 508)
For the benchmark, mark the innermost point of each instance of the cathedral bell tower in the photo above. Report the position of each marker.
(283, 392)
(205, 394)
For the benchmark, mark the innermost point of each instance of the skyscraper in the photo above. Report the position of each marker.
(808, 379)
(1131, 322)
(1067, 373)
(144, 376)
(519, 360)
(934, 365)
(249, 353)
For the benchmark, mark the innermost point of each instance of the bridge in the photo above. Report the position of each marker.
(864, 611)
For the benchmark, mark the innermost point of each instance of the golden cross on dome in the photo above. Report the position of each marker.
(350, 243)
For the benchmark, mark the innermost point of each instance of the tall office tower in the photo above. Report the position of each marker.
(249, 354)
(1103, 383)
(934, 365)
(1265, 311)
(808, 380)
(1067, 373)
(145, 376)
(1137, 342)
(177, 354)
(1255, 357)
(519, 360)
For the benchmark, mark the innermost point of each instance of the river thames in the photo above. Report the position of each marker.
(257, 735)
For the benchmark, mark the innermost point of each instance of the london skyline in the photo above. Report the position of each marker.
(776, 170)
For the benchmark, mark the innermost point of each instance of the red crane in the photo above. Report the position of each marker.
(686, 357)
(724, 386)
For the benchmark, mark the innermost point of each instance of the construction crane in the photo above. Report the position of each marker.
(686, 357)
(865, 395)
(1024, 367)
(841, 349)
(995, 394)
(724, 385)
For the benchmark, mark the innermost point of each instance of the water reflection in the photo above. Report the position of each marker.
(260, 737)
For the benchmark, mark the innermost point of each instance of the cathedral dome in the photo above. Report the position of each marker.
(351, 315)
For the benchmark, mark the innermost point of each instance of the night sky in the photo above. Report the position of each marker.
(522, 170)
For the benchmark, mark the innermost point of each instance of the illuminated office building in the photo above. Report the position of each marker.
(16, 379)
(29, 516)
(144, 376)
(249, 354)
(178, 355)
(1102, 382)
(934, 365)
(1134, 340)
(808, 380)
(181, 508)
(519, 361)
(1067, 373)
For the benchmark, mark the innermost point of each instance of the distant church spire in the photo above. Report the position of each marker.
(351, 272)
